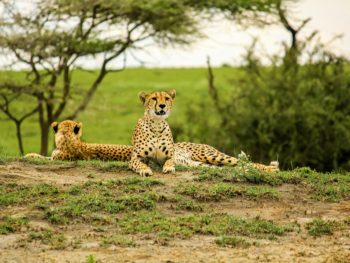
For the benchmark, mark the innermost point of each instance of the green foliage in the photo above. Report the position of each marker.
(49, 237)
(11, 193)
(117, 240)
(333, 186)
(11, 224)
(89, 204)
(205, 224)
(181, 203)
(319, 227)
(219, 191)
(298, 114)
(121, 211)
(90, 259)
(232, 241)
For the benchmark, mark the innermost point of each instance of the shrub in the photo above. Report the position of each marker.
(298, 113)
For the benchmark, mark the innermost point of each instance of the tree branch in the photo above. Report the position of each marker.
(66, 89)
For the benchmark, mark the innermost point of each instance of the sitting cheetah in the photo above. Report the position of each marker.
(70, 147)
(152, 140)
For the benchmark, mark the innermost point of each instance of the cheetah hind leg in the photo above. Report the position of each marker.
(184, 158)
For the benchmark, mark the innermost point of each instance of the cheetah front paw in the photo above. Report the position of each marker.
(146, 172)
(169, 169)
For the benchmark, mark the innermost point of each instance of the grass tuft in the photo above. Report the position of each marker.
(117, 240)
(205, 224)
(49, 237)
(219, 191)
(232, 241)
(11, 224)
(318, 227)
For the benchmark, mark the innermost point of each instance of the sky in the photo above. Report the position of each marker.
(226, 42)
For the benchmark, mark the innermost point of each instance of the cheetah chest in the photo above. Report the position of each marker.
(159, 144)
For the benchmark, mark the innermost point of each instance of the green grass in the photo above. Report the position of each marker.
(85, 202)
(181, 203)
(90, 259)
(115, 108)
(124, 210)
(232, 241)
(48, 237)
(219, 191)
(331, 187)
(90, 200)
(186, 226)
(11, 193)
(319, 227)
(12, 224)
(117, 240)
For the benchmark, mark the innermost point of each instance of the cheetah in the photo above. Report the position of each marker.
(195, 154)
(70, 147)
(152, 140)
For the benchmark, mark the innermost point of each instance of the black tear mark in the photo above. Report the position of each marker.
(76, 129)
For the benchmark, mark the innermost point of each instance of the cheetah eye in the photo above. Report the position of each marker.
(154, 98)
(167, 98)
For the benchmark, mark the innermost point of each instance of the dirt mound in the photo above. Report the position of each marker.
(73, 212)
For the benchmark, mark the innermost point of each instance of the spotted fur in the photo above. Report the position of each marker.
(200, 154)
(70, 147)
(152, 138)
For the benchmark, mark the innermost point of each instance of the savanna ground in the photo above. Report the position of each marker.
(102, 212)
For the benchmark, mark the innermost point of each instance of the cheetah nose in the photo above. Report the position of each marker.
(162, 106)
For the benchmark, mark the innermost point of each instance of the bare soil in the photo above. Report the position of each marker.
(293, 206)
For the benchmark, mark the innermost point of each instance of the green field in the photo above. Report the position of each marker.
(115, 108)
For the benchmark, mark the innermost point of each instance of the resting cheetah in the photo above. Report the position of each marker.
(70, 147)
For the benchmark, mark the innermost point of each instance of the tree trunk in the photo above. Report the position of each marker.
(19, 137)
(44, 129)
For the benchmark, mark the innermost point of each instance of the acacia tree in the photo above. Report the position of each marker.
(53, 37)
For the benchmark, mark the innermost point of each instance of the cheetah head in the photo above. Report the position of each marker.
(158, 104)
(66, 132)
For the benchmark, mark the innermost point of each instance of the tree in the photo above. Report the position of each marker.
(292, 111)
(52, 39)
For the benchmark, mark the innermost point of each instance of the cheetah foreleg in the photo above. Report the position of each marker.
(139, 167)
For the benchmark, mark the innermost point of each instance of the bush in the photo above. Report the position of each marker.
(298, 113)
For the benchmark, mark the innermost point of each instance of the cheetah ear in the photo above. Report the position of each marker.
(54, 125)
(143, 96)
(172, 93)
(78, 129)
